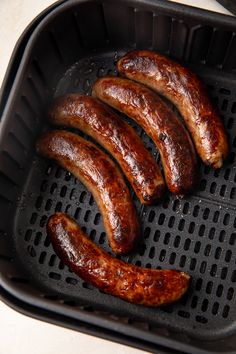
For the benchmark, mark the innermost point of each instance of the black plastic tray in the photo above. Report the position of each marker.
(77, 42)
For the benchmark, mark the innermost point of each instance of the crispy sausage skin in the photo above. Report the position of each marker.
(97, 120)
(157, 119)
(185, 90)
(101, 176)
(131, 283)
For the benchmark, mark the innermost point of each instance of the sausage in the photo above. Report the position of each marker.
(183, 88)
(102, 177)
(141, 286)
(157, 119)
(119, 138)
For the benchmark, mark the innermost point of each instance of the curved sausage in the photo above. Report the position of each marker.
(184, 89)
(156, 118)
(131, 283)
(108, 129)
(101, 176)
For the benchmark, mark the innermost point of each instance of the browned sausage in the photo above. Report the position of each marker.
(157, 119)
(184, 89)
(102, 177)
(141, 286)
(108, 129)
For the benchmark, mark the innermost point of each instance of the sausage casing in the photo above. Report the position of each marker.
(97, 120)
(160, 123)
(131, 283)
(102, 177)
(185, 90)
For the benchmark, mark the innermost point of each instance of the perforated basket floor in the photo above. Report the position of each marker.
(196, 234)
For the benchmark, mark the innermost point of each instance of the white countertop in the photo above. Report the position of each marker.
(20, 334)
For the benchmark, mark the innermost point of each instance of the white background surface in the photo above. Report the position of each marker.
(20, 334)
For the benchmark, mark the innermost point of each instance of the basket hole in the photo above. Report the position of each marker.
(193, 263)
(181, 225)
(54, 276)
(230, 293)
(218, 252)
(227, 172)
(157, 235)
(87, 215)
(42, 257)
(171, 222)
(201, 230)
(219, 290)
(82, 197)
(152, 253)
(138, 263)
(28, 235)
(212, 233)
(191, 227)
(226, 219)
(177, 241)
(162, 255)
(97, 219)
(186, 208)
(58, 206)
(31, 251)
(184, 314)
(224, 272)
(91, 200)
(209, 287)
(201, 319)
(77, 213)
(148, 265)
(222, 235)
(213, 187)
(71, 281)
(47, 241)
(215, 308)
(230, 123)
(52, 260)
(176, 205)
(232, 193)
(228, 256)
(207, 170)
(151, 216)
(43, 221)
(196, 210)
(226, 311)
(206, 213)
(203, 267)
(48, 170)
(172, 258)
(213, 270)
(92, 235)
(187, 244)
(182, 261)
(207, 250)
(59, 172)
(205, 304)
(161, 219)
(63, 191)
(68, 176)
(38, 238)
(102, 238)
(233, 277)
(232, 239)
(167, 238)
(87, 286)
(225, 91)
(224, 105)
(33, 218)
(197, 247)
(216, 216)
(73, 194)
(61, 265)
(53, 188)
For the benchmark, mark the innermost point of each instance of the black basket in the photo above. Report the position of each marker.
(76, 43)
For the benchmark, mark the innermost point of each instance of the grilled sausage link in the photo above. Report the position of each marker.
(184, 89)
(108, 129)
(131, 283)
(101, 176)
(156, 118)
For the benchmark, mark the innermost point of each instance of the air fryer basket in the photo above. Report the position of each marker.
(76, 43)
